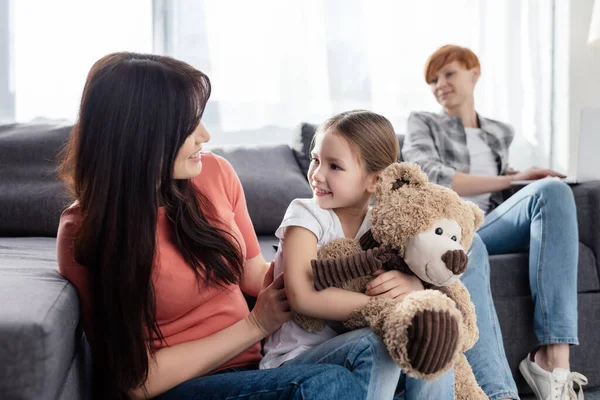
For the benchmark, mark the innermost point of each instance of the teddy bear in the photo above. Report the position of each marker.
(423, 229)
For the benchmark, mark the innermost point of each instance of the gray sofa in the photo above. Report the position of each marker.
(43, 352)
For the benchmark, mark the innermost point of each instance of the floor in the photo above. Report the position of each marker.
(588, 395)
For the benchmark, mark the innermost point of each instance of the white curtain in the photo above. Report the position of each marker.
(279, 62)
(276, 63)
(53, 45)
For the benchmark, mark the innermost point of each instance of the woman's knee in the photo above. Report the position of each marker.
(477, 246)
(554, 189)
(478, 254)
(478, 262)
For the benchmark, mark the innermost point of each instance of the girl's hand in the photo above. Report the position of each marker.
(393, 284)
(272, 308)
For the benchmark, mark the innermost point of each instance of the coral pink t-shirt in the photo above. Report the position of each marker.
(185, 311)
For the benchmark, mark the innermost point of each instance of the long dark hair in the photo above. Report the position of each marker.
(136, 112)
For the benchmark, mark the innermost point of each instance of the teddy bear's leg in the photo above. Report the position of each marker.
(459, 293)
(465, 385)
(432, 340)
(422, 332)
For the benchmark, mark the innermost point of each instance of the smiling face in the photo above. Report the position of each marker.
(336, 175)
(453, 84)
(188, 162)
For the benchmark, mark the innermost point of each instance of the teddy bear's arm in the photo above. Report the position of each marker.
(330, 272)
(393, 262)
(367, 241)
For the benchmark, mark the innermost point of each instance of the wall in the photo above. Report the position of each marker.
(7, 96)
(577, 79)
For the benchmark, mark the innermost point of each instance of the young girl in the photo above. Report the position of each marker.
(349, 151)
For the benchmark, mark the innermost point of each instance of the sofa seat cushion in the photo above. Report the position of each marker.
(271, 179)
(516, 319)
(38, 320)
(510, 273)
(267, 246)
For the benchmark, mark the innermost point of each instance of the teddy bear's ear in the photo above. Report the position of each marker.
(477, 214)
(399, 174)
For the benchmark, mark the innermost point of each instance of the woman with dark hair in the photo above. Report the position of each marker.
(461, 149)
(160, 247)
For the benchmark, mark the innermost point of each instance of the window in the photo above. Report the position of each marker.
(48, 47)
(274, 64)
(280, 63)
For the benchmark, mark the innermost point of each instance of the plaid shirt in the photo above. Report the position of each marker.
(438, 144)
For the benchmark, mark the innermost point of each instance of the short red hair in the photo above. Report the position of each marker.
(447, 54)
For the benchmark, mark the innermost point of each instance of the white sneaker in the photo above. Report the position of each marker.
(555, 385)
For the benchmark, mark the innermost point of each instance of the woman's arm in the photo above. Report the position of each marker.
(419, 147)
(174, 365)
(469, 185)
(254, 274)
(334, 304)
(255, 266)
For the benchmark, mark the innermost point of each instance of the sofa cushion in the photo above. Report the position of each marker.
(301, 145)
(268, 246)
(31, 196)
(509, 273)
(38, 320)
(515, 314)
(271, 179)
(302, 141)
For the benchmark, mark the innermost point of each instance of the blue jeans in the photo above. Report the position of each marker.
(487, 357)
(540, 217)
(302, 382)
(364, 354)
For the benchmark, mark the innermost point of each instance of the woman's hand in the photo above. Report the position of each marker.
(393, 284)
(272, 308)
(535, 173)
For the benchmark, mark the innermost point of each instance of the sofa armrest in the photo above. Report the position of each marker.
(587, 200)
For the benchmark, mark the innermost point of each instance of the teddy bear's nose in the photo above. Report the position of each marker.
(456, 261)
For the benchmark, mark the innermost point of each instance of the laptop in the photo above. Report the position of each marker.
(587, 166)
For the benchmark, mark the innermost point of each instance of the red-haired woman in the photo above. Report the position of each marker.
(461, 149)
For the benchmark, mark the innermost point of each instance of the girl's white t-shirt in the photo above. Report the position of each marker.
(290, 340)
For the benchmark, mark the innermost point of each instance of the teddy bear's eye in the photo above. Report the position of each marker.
(399, 183)
(453, 238)
(439, 231)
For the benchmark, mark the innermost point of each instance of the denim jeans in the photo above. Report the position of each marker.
(300, 382)
(487, 357)
(541, 218)
(364, 354)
